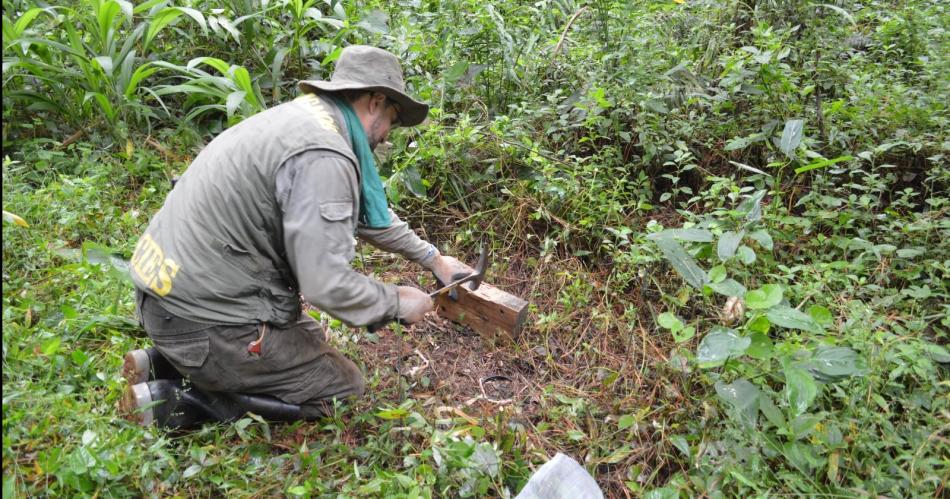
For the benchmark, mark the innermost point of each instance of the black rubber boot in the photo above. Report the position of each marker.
(181, 405)
(267, 407)
(146, 364)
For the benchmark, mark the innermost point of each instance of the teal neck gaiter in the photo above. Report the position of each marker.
(374, 210)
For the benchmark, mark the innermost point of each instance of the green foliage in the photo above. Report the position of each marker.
(637, 164)
(805, 372)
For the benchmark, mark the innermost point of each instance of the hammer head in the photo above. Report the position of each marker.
(473, 280)
(480, 269)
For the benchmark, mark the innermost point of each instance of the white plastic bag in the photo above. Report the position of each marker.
(561, 478)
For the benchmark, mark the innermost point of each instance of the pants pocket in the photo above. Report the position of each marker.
(187, 350)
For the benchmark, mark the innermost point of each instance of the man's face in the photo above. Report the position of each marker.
(385, 119)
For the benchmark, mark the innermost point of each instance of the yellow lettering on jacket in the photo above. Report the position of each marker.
(151, 266)
(166, 273)
(319, 111)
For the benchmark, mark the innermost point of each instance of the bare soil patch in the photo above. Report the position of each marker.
(447, 365)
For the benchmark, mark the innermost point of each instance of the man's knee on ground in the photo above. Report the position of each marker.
(316, 408)
(355, 383)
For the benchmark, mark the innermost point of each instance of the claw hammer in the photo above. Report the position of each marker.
(475, 279)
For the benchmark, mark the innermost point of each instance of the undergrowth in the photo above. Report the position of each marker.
(730, 219)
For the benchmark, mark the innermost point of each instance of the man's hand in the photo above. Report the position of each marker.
(448, 269)
(414, 304)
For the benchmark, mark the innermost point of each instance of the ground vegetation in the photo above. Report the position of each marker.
(730, 218)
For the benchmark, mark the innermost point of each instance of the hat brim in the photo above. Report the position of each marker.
(412, 112)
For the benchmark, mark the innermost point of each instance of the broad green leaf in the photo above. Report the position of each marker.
(746, 255)
(98, 254)
(728, 244)
(626, 421)
(937, 352)
(682, 262)
(821, 315)
(791, 318)
(684, 334)
(762, 237)
(767, 406)
(743, 142)
(69, 313)
(191, 471)
(679, 441)
(456, 71)
(742, 398)
(663, 493)
(800, 389)
(910, 253)
(88, 438)
(485, 460)
(728, 287)
(760, 324)
(297, 490)
(761, 346)
(669, 321)
(719, 345)
(375, 21)
(791, 137)
(767, 296)
(800, 456)
(737, 143)
(834, 364)
(804, 425)
(51, 346)
(752, 206)
(411, 178)
(717, 274)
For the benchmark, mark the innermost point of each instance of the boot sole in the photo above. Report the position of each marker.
(135, 367)
(132, 402)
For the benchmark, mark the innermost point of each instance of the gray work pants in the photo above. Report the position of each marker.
(295, 364)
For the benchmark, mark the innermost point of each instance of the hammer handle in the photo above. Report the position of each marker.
(453, 284)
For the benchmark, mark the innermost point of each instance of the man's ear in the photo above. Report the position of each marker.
(377, 102)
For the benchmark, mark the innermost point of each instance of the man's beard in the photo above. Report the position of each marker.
(375, 136)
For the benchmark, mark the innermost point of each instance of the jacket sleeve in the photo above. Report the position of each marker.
(398, 238)
(316, 192)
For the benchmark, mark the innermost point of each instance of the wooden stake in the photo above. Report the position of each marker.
(488, 310)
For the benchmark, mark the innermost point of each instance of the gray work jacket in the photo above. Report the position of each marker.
(266, 212)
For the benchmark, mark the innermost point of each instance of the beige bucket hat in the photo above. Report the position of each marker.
(364, 67)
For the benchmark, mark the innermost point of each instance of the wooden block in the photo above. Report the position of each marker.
(488, 310)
